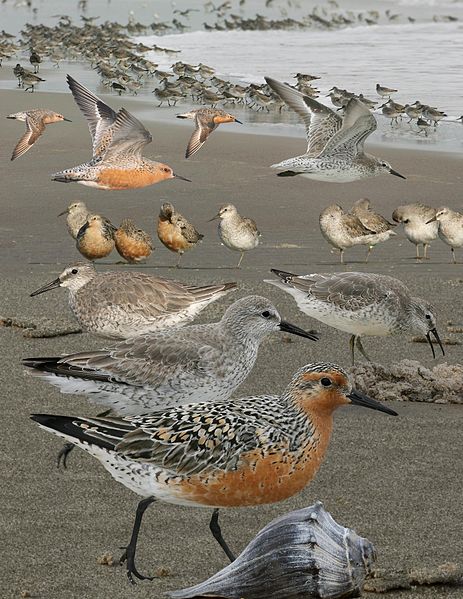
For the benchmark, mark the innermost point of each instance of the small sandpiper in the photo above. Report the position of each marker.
(77, 214)
(361, 303)
(450, 228)
(237, 232)
(206, 121)
(385, 92)
(175, 231)
(119, 305)
(419, 226)
(371, 220)
(134, 245)
(35, 120)
(95, 239)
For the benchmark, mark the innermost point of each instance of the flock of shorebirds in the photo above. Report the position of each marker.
(169, 430)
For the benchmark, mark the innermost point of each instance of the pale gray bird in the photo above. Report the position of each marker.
(419, 228)
(77, 214)
(450, 228)
(196, 363)
(236, 232)
(119, 305)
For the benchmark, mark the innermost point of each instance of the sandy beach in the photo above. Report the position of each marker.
(397, 481)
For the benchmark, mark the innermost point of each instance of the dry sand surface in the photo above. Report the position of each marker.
(397, 481)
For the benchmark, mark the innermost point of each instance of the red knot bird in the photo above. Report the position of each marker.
(343, 230)
(176, 232)
(373, 221)
(118, 140)
(134, 245)
(246, 452)
(236, 232)
(76, 216)
(119, 305)
(450, 228)
(385, 92)
(335, 149)
(95, 239)
(419, 226)
(362, 304)
(206, 121)
(35, 120)
(199, 362)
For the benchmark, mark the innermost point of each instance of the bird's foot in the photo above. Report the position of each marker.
(129, 557)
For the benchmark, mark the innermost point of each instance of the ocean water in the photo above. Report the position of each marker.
(421, 59)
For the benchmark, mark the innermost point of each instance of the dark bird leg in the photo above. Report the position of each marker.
(217, 534)
(129, 553)
(361, 349)
(352, 348)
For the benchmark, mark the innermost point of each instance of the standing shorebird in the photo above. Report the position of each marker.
(134, 245)
(206, 121)
(196, 363)
(119, 305)
(35, 60)
(236, 232)
(246, 452)
(362, 304)
(118, 140)
(372, 220)
(175, 231)
(77, 214)
(419, 226)
(335, 150)
(35, 120)
(450, 228)
(385, 92)
(343, 230)
(95, 238)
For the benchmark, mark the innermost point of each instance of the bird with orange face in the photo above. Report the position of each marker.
(243, 452)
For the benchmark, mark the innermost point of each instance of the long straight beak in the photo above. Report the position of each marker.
(68, 120)
(48, 287)
(287, 327)
(433, 219)
(436, 335)
(214, 218)
(237, 121)
(182, 178)
(393, 172)
(61, 213)
(360, 399)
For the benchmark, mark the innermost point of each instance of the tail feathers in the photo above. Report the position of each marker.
(105, 433)
(211, 292)
(56, 365)
(66, 177)
(287, 174)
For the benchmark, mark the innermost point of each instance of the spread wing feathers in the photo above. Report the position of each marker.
(98, 114)
(33, 131)
(321, 122)
(149, 360)
(199, 137)
(129, 136)
(357, 125)
(349, 291)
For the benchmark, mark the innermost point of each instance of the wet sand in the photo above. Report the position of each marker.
(397, 481)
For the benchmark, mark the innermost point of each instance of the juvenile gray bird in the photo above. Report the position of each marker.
(237, 232)
(77, 214)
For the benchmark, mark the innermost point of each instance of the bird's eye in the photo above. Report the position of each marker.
(74, 271)
(428, 316)
(266, 314)
(325, 381)
(166, 169)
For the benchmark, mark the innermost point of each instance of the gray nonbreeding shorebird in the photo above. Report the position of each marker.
(450, 228)
(362, 304)
(76, 217)
(206, 121)
(236, 232)
(373, 221)
(343, 230)
(335, 149)
(419, 226)
(35, 120)
(119, 305)
(196, 363)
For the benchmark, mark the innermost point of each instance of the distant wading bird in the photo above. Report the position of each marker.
(118, 140)
(335, 145)
(206, 121)
(245, 452)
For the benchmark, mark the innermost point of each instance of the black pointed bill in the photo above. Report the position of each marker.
(393, 172)
(360, 399)
(287, 327)
(432, 220)
(181, 178)
(237, 121)
(48, 287)
(437, 338)
(68, 120)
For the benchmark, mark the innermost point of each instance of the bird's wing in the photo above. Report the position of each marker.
(251, 224)
(202, 131)
(129, 136)
(188, 230)
(376, 222)
(321, 123)
(34, 130)
(357, 125)
(355, 226)
(98, 114)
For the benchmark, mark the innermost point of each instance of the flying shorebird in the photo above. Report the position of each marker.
(335, 145)
(246, 452)
(35, 120)
(118, 140)
(206, 121)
